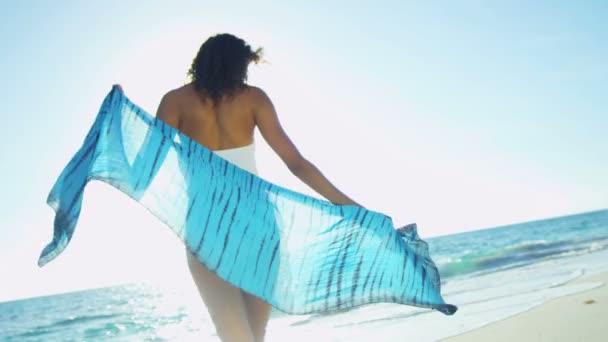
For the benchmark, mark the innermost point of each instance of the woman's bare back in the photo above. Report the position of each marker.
(228, 124)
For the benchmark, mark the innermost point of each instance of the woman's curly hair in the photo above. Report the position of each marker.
(220, 66)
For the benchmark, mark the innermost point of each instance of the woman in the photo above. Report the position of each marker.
(220, 111)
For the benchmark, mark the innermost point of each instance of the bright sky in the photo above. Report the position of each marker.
(455, 115)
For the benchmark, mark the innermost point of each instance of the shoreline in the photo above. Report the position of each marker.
(575, 317)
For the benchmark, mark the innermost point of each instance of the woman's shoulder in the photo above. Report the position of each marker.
(255, 89)
(183, 95)
(176, 93)
(251, 94)
(257, 95)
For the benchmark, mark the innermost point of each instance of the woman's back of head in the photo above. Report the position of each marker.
(220, 66)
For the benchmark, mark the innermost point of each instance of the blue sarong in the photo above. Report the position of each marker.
(300, 254)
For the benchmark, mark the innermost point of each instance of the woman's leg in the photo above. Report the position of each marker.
(258, 313)
(224, 302)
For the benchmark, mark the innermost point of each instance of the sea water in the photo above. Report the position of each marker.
(489, 274)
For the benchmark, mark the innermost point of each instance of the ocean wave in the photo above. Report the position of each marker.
(514, 255)
(81, 319)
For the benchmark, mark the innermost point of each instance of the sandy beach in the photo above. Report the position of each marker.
(579, 317)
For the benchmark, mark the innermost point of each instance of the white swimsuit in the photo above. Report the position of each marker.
(243, 157)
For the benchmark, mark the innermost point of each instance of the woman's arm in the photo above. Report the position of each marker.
(268, 123)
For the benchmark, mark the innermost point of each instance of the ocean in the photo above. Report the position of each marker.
(489, 274)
